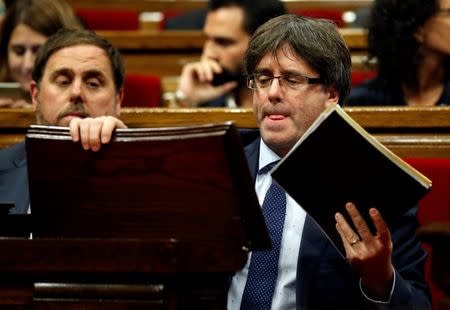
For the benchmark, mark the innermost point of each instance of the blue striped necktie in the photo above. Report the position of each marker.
(263, 269)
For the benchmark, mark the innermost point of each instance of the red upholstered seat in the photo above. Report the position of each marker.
(333, 15)
(99, 19)
(435, 206)
(360, 76)
(142, 90)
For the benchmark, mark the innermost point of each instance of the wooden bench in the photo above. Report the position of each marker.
(409, 132)
(186, 5)
(164, 53)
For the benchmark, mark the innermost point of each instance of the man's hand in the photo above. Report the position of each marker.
(195, 83)
(369, 256)
(92, 132)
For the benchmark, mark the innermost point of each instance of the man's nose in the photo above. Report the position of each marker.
(275, 87)
(210, 50)
(76, 91)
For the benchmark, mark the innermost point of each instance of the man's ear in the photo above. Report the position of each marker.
(333, 95)
(34, 91)
(119, 99)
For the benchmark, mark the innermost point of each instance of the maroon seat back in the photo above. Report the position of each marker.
(360, 76)
(435, 206)
(100, 19)
(142, 90)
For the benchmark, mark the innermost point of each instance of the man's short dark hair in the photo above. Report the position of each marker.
(317, 41)
(256, 12)
(72, 37)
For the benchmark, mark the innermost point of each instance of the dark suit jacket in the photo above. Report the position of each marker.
(325, 280)
(14, 178)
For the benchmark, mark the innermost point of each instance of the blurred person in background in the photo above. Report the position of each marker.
(26, 26)
(410, 40)
(217, 79)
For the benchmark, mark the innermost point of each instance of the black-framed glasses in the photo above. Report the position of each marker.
(291, 81)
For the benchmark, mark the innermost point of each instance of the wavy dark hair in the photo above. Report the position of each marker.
(391, 39)
(317, 41)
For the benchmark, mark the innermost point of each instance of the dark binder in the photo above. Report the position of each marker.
(337, 161)
(186, 184)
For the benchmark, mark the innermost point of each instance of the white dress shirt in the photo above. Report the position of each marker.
(284, 295)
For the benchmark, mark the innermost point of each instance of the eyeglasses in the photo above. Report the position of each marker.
(291, 81)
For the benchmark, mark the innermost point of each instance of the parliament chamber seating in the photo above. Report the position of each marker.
(109, 19)
(360, 76)
(142, 90)
(435, 206)
(335, 15)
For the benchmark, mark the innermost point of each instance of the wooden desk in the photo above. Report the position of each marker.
(413, 132)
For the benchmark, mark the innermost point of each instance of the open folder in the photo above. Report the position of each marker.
(336, 161)
(182, 183)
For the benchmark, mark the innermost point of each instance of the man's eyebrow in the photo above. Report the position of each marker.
(283, 72)
(93, 73)
(61, 71)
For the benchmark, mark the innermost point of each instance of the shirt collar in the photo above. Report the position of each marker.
(266, 155)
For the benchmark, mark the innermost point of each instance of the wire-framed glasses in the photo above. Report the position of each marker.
(291, 81)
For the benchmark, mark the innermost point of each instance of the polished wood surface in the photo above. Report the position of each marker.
(143, 40)
(408, 131)
(372, 118)
(185, 5)
(130, 274)
(164, 53)
(111, 232)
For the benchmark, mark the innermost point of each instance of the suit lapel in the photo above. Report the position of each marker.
(252, 154)
(13, 157)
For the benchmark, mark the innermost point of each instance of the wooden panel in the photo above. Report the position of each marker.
(165, 53)
(155, 40)
(185, 5)
(406, 130)
(143, 40)
(374, 119)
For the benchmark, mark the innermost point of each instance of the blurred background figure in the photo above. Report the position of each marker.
(192, 20)
(217, 79)
(26, 26)
(410, 40)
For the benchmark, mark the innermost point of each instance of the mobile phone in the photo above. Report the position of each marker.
(222, 78)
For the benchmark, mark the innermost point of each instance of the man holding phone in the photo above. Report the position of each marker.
(217, 79)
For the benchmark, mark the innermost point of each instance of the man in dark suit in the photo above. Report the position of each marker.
(77, 82)
(296, 67)
(217, 80)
